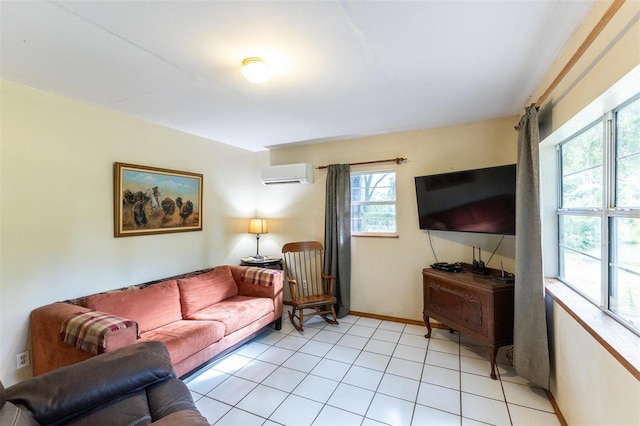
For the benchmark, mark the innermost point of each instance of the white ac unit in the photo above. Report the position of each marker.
(288, 173)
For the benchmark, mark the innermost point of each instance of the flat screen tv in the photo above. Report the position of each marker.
(480, 200)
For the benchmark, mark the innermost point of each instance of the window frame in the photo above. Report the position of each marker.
(607, 212)
(394, 203)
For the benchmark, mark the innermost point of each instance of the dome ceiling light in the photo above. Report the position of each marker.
(255, 70)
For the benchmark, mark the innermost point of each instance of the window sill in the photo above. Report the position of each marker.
(375, 234)
(620, 342)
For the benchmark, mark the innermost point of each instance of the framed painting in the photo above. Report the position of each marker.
(149, 200)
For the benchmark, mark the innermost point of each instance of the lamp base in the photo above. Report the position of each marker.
(258, 257)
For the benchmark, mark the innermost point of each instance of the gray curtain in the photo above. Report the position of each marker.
(337, 233)
(530, 345)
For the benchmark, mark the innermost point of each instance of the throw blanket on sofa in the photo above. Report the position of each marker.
(259, 276)
(88, 330)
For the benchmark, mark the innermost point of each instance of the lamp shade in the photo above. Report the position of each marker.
(258, 226)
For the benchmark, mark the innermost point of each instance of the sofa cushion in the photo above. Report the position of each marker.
(184, 338)
(235, 312)
(151, 307)
(198, 292)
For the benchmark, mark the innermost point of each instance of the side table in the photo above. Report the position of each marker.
(271, 262)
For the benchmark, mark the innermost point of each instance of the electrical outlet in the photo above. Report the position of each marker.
(23, 359)
(304, 284)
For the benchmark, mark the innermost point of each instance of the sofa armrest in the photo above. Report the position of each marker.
(255, 290)
(50, 352)
(69, 391)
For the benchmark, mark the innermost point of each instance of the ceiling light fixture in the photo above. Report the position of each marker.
(255, 70)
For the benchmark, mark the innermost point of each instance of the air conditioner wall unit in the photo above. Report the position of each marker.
(288, 173)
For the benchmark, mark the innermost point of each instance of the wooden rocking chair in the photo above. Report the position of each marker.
(310, 287)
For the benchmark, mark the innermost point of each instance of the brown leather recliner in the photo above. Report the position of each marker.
(135, 385)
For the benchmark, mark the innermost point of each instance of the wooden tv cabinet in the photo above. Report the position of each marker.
(476, 305)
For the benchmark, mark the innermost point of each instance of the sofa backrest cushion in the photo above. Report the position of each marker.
(204, 290)
(151, 307)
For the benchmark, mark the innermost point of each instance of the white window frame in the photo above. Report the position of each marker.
(388, 202)
(603, 108)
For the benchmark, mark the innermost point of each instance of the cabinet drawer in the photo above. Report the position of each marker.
(457, 306)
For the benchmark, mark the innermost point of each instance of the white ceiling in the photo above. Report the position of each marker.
(341, 68)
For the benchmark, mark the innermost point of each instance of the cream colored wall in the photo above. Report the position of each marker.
(387, 272)
(589, 385)
(56, 213)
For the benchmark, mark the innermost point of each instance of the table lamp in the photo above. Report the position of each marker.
(258, 226)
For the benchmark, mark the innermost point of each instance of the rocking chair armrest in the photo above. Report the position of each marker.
(329, 279)
(293, 285)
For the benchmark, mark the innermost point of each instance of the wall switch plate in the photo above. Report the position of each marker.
(23, 359)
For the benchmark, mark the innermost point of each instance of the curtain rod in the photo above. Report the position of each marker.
(397, 160)
(595, 32)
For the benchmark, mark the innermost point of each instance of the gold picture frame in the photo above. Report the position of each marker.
(151, 200)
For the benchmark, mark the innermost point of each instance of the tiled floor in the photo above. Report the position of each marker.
(365, 372)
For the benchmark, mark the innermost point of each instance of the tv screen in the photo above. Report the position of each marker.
(480, 200)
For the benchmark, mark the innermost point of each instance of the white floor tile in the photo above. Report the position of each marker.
(313, 347)
(527, 396)
(439, 397)
(232, 363)
(442, 345)
(256, 371)
(211, 409)
(427, 416)
(441, 376)
(485, 409)
(232, 390)
(362, 331)
(206, 380)
(405, 368)
(365, 372)
(353, 341)
(331, 416)
(372, 361)
(399, 387)
(389, 410)
(350, 319)
(252, 349)
(269, 337)
(443, 359)
(275, 355)
(524, 416)
(392, 326)
(368, 322)
(482, 386)
(291, 342)
(416, 340)
(328, 336)
(386, 335)
(316, 388)
(239, 417)
(419, 330)
(262, 401)
(342, 327)
(380, 347)
(343, 354)
(284, 379)
(350, 398)
(330, 369)
(363, 377)
(302, 362)
(410, 353)
(296, 411)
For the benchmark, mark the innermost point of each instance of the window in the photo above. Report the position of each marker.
(373, 203)
(599, 213)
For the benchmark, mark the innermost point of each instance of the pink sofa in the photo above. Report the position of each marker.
(198, 316)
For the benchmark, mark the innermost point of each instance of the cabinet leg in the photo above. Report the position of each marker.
(428, 324)
(493, 354)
